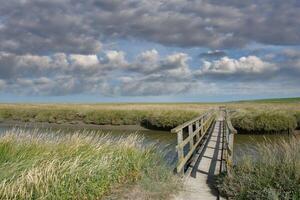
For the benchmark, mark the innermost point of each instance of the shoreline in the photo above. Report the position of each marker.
(74, 125)
(82, 125)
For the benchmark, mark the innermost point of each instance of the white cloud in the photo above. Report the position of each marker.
(250, 65)
(84, 60)
(147, 61)
(148, 73)
(176, 65)
(115, 59)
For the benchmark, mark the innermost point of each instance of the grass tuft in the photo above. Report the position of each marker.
(273, 174)
(79, 166)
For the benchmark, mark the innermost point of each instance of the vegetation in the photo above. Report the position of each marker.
(258, 122)
(80, 166)
(162, 119)
(297, 116)
(158, 115)
(273, 174)
(275, 100)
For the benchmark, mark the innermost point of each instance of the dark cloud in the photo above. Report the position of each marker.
(72, 26)
(213, 54)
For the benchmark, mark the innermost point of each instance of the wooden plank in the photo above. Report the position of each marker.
(180, 150)
(191, 136)
(197, 129)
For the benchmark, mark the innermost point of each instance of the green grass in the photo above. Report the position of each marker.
(273, 174)
(80, 166)
(261, 122)
(160, 119)
(275, 100)
(297, 116)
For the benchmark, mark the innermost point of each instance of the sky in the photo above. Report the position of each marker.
(148, 51)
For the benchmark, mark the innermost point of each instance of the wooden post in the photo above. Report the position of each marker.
(190, 134)
(180, 151)
(197, 127)
(202, 128)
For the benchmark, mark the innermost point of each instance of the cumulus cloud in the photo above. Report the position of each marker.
(84, 60)
(148, 74)
(115, 59)
(150, 63)
(246, 68)
(61, 74)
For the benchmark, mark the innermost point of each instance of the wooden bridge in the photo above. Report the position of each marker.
(205, 149)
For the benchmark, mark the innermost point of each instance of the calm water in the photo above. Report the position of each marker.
(166, 142)
(244, 144)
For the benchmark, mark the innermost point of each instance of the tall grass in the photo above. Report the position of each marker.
(260, 122)
(273, 174)
(79, 166)
(160, 119)
(297, 116)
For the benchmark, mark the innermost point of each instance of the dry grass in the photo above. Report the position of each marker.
(273, 174)
(116, 106)
(79, 166)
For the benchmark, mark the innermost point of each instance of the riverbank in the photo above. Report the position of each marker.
(265, 121)
(152, 119)
(253, 118)
(76, 125)
(85, 166)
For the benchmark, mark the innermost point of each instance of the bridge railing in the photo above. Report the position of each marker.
(228, 139)
(189, 135)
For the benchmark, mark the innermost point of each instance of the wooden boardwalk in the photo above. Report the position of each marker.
(200, 177)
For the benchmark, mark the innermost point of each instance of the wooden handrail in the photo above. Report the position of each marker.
(184, 125)
(201, 125)
(228, 139)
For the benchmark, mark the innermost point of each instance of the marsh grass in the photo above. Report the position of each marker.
(297, 116)
(262, 122)
(79, 166)
(273, 174)
(157, 119)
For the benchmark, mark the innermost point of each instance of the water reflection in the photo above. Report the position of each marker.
(245, 145)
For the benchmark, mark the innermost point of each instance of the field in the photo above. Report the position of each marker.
(259, 116)
(148, 115)
(81, 166)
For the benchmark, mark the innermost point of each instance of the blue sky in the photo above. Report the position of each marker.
(148, 51)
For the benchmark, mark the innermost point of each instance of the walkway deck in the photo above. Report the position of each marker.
(200, 177)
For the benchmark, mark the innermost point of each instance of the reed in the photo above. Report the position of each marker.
(158, 119)
(262, 122)
(274, 173)
(79, 166)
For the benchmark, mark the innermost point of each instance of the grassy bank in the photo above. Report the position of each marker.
(80, 166)
(157, 119)
(274, 174)
(258, 117)
(262, 122)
